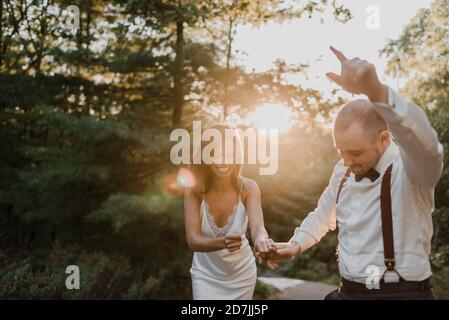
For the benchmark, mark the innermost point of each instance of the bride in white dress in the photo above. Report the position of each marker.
(217, 211)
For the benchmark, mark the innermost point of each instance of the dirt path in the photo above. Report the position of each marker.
(295, 289)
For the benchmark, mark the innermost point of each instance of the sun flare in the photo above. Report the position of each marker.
(272, 116)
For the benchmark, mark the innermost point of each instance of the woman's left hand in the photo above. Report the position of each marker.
(264, 247)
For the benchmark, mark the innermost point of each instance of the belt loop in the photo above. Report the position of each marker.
(422, 286)
(425, 285)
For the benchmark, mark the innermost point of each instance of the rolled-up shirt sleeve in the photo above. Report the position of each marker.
(421, 152)
(323, 218)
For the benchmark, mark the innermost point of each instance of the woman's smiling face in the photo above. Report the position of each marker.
(222, 170)
(223, 164)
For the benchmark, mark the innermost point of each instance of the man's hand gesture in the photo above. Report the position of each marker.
(358, 77)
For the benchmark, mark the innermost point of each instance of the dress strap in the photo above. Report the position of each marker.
(241, 190)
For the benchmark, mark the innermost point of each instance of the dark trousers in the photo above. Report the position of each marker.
(404, 290)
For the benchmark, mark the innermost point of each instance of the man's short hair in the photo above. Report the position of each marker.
(362, 112)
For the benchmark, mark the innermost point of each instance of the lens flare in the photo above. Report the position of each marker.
(174, 183)
(185, 178)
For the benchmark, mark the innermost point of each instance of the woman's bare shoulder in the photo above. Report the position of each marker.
(250, 187)
(193, 192)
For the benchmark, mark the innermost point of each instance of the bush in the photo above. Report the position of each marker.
(102, 276)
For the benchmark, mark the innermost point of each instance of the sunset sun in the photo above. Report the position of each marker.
(272, 116)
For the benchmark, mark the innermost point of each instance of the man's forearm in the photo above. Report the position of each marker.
(379, 95)
(303, 239)
(420, 149)
(296, 246)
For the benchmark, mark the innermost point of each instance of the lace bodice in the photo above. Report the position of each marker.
(219, 232)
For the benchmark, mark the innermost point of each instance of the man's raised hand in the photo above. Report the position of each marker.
(358, 77)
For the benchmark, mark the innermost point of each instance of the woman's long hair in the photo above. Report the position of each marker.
(203, 172)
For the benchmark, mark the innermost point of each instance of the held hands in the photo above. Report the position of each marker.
(358, 77)
(277, 251)
(286, 250)
(265, 248)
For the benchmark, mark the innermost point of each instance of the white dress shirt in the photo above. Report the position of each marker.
(417, 165)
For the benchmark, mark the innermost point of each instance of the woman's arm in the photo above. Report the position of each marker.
(195, 240)
(262, 243)
(254, 209)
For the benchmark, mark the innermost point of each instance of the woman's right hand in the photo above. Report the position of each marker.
(233, 242)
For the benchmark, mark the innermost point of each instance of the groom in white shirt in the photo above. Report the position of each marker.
(380, 195)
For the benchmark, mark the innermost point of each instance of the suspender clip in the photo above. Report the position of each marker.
(389, 263)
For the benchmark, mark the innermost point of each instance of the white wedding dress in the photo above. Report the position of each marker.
(221, 274)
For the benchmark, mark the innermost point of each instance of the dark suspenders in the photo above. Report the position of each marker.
(386, 215)
(342, 183)
(340, 187)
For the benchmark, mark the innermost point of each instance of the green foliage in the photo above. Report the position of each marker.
(263, 291)
(440, 265)
(421, 56)
(316, 264)
(102, 276)
(85, 119)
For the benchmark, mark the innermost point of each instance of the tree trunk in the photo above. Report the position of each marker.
(88, 23)
(43, 33)
(178, 74)
(228, 64)
(79, 34)
(1, 34)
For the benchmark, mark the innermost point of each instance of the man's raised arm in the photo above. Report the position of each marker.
(420, 149)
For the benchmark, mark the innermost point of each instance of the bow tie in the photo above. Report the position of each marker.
(372, 174)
